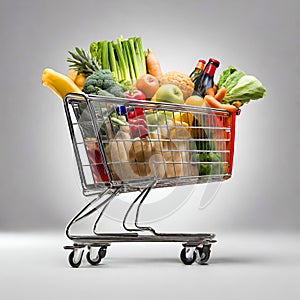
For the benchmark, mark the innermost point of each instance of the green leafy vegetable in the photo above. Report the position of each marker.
(125, 58)
(240, 87)
(233, 79)
(225, 74)
(102, 83)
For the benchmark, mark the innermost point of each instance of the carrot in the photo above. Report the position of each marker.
(215, 88)
(220, 95)
(153, 65)
(214, 103)
(210, 92)
(237, 104)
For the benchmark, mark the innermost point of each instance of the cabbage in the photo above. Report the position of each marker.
(233, 79)
(225, 74)
(240, 87)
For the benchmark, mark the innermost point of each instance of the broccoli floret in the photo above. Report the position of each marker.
(90, 89)
(106, 74)
(100, 92)
(107, 83)
(102, 80)
(116, 90)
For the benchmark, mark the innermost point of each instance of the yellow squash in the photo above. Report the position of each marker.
(59, 83)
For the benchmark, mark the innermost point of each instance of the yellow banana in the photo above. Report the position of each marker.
(59, 83)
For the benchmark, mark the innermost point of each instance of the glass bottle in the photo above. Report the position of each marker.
(206, 81)
(198, 70)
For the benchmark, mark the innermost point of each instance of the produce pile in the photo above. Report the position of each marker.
(123, 69)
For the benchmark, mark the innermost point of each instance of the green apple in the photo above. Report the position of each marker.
(169, 93)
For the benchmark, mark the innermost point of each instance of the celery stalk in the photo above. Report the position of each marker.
(112, 60)
(105, 61)
(130, 63)
(121, 62)
(118, 71)
(134, 57)
(127, 62)
(121, 42)
(123, 53)
(138, 56)
(139, 44)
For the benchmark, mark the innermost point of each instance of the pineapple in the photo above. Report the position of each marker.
(82, 62)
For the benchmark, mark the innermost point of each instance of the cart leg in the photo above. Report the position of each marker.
(141, 198)
(107, 202)
(88, 210)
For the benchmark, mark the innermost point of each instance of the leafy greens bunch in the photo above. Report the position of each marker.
(125, 58)
(240, 86)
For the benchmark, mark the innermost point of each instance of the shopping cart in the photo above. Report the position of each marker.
(123, 145)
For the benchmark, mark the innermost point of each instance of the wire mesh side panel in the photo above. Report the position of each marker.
(93, 175)
(172, 144)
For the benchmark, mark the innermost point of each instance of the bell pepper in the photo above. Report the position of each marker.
(95, 160)
(134, 112)
(138, 127)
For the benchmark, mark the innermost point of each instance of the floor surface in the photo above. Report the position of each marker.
(242, 266)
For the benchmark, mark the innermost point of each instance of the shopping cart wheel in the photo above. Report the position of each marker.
(102, 251)
(96, 260)
(75, 257)
(188, 255)
(203, 254)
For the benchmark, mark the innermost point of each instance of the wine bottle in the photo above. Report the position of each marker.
(198, 70)
(206, 81)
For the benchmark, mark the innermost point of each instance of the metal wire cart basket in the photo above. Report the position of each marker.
(123, 145)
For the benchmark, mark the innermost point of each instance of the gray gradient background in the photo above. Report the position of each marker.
(39, 189)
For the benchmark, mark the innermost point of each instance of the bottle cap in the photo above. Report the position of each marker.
(210, 70)
(215, 61)
(202, 61)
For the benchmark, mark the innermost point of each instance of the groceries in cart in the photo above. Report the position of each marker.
(135, 127)
(161, 143)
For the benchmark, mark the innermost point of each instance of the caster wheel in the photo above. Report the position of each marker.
(75, 258)
(102, 251)
(203, 254)
(95, 261)
(188, 255)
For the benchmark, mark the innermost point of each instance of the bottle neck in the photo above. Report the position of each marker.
(200, 65)
(211, 69)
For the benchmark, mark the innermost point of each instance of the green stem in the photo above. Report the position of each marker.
(112, 60)
(130, 63)
(134, 57)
